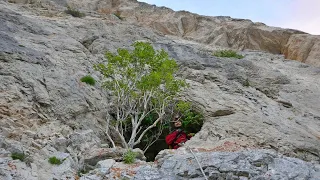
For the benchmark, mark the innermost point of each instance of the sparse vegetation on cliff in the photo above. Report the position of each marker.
(20, 156)
(74, 12)
(228, 53)
(55, 160)
(89, 80)
(118, 15)
(129, 157)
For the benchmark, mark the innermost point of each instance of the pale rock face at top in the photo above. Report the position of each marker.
(263, 101)
(215, 31)
(222, 31)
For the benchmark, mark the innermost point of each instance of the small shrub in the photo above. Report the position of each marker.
(54, 160)
(20, 156)
(89, 80)
(117, 14)
(228, 53)
(129, 157)
(81, 172)
(74, 13)
(246, 83)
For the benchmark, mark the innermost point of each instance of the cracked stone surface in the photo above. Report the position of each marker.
(263, 101)
(254, 164)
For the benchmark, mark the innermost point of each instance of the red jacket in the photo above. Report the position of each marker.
(173, 139)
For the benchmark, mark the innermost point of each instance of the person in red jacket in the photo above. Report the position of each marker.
(176, 138)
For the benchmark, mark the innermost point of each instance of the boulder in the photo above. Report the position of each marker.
(252, 164)
(108, 163)
(84, 140)
(93, 156)
(103, 167)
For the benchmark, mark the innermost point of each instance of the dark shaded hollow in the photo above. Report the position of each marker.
(161, 144)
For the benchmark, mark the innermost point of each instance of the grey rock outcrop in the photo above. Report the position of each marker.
(93, 156)
(84, 141)
(269, 111)
(261, 101)
(36, 168)
(221, 31)
(242, 165)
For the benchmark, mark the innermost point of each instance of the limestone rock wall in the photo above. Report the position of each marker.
(261, 101)
(221, 165)
(222, 31)
(227, 32)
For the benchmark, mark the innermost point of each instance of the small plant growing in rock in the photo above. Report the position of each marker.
(55, 160)
(20, 156)
(89, 80)
(118, 15)
(228, 53)
(81, 172)
(129, 157)
(74, 13)
(246, 83)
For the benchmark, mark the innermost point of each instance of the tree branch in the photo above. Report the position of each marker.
(107, 132)
(123, 141)
(155, 137)
(146, 130)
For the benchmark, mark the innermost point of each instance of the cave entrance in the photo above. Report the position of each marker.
(156, 147)
(192, 122)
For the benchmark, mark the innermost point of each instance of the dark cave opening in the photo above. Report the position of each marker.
(191, 123)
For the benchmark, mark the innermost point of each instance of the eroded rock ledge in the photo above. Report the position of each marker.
(177, 164)
(243, 165)
(220, 31)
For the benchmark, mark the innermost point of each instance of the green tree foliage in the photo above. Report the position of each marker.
(142, 82)
(227, 53)
(192, 120)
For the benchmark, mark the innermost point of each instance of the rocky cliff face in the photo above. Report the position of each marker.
(221, 31)
(221, 165)
(261, 101)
